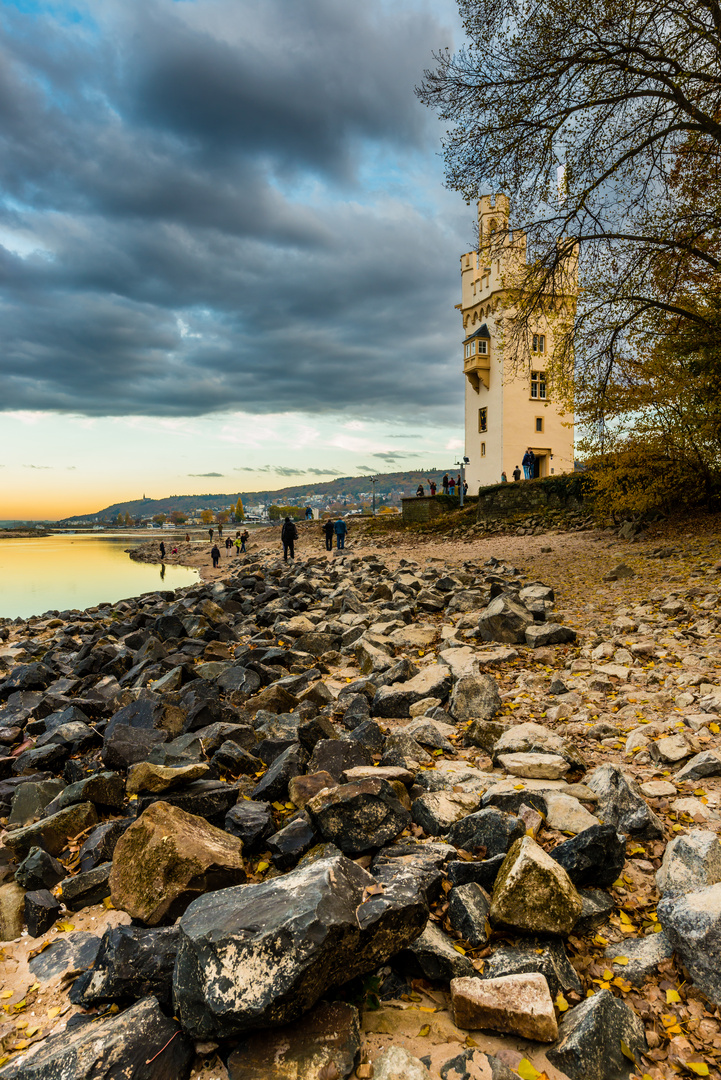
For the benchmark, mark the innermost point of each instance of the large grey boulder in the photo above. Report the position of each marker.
(505, 619)
(591, 1037)
(475, 697)
(690, 862)
(490, 828)
(395, 700)
(261, 955)
(532, 738)
(621, 803)
(692, 922)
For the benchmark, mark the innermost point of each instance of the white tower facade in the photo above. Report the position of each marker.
(508, 401)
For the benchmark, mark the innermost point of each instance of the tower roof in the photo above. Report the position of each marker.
(482, 331)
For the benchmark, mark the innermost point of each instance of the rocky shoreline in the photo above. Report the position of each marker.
(368, 816)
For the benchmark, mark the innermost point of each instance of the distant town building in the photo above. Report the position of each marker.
(509, 404)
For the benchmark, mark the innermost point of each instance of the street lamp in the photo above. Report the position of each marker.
(374, 481)
(462, 466)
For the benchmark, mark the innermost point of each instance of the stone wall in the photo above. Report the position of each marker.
(534, 496)
(427, 508)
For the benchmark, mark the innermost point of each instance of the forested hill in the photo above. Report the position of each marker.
(348, 488)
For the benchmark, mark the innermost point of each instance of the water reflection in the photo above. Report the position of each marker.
(75, 571)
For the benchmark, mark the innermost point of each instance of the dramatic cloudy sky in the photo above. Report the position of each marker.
(226, 249)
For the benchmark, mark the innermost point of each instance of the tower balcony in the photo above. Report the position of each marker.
(477, 369)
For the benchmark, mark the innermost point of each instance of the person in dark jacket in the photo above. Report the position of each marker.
(288, 535)
(446, 482)
(340, 528)
(529, 462)
(215, 555)
(244, 537)
(328, 530)
(162, 550)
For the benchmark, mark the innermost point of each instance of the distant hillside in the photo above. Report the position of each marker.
(348, 488)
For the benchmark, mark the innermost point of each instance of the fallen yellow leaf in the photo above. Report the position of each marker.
(672, 997)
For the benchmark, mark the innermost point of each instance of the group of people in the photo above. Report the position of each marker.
(289, 535)
(450, 484)
(529, 468)
(241, 538)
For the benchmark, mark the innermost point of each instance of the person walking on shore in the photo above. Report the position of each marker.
(215, 555)
(187, 538)
(210, 534)
(162, 550)
(244, 536)
(446, 482)
(328, 530)
(340, 528)
(237, 543)
(228, 545)
(288, 535)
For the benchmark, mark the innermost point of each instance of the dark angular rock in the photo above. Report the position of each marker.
(402, 749)
(312, 731)
(597, 905)
(291, 842)
(590, 1037)
(620, 803)
(491, 829)
(213, 736)
(324, 1043)
(131, 963)
(369, 734)
(512, 801)
(468, 907)
(38, 870)
(141, 1043)
(233, 759)
(359, 817)
(71, 952)
(544, 955)
(74, 735)
(34, 676)
(432, 956)
(334, 756)
(252, 822)
(185, 750)
(30, 799)
(86, 888)
(41, 911)
(273, 787)
(100, 844)
(594, 857)
(106, 789)
(50, 757)
(126, 745)
(52, 833)
(357, 713)
(261, 955)
(209, 799)
(395, 700)
(483, 873)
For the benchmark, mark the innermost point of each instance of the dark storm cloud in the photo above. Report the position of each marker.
(185, 182)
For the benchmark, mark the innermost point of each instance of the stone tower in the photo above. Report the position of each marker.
(509, 404)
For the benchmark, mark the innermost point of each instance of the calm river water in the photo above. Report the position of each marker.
(77, 571)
